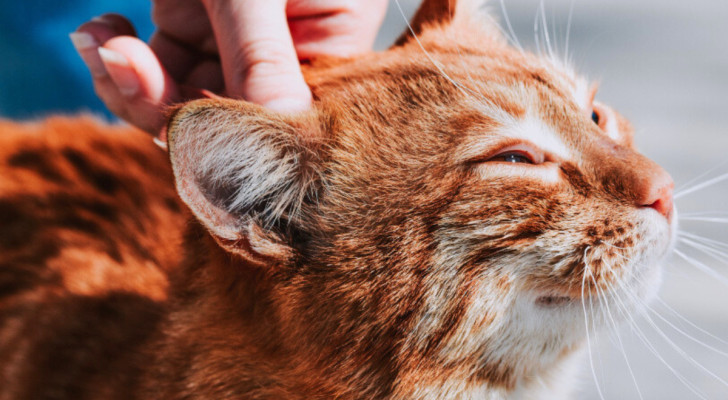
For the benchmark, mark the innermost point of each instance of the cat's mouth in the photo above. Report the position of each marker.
(553, 301)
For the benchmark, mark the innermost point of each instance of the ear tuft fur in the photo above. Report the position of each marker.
(236, 163)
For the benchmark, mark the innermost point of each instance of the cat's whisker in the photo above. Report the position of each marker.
(690, 323)
(716, 253)
(701, 186)
(702, 214)
(613, 323)
(685, 334)
(650, 309)
(568, 32)
(709, 250)
(434, 62)
(536, 38)
(620, 282)
(680, 351)
(586, 323)
(546, 35)
(480, 93)
(512, 37)
(702, 267)
(701, 176)
(703, 240)
(634, 327)
(718, 220)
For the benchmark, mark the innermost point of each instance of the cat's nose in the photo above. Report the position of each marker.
(656, 192)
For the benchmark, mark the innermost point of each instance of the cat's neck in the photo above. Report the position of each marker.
(251, 337)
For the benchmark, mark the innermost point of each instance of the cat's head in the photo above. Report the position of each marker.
(452, 202)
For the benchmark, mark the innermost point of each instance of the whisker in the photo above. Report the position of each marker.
(429, 56)
(536, 38)
(706, 219)
(568, 32)
(702, 267)
(669, 341)
(702, 214)
(701, 176)
(586, 325)
(687, 335)
(619, 338)
(703, 240)
(509, 26)
(643, 338)
(679, 350)
(546, 34)
(690, 323)
(712, 251)
(700, 186)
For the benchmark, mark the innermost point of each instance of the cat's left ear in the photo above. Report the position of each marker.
(461, 15)
(245, 172)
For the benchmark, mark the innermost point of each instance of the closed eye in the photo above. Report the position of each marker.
(512, 157)
(521, 153)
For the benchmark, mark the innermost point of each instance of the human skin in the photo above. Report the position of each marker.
(249, 49)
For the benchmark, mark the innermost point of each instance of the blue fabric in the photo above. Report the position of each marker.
(40, 72)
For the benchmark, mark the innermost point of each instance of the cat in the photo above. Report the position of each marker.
(431, 229)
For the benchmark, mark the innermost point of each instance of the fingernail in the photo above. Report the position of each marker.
(121, 71)
(83, 40)
(86, 45)
(102, 19)
(288, 105)
(160, 143)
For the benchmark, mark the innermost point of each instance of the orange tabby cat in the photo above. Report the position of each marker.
(430, 230)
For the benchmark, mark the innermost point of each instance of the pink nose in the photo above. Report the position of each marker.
(657, 193)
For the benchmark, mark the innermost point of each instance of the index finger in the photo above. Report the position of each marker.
(259, 61)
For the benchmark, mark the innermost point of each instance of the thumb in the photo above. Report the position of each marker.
(259, 61)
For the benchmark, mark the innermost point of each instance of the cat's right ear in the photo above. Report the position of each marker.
(245, 172)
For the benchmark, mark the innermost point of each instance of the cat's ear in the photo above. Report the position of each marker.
(245, 172)
(463, 15)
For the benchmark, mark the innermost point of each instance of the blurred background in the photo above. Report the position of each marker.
(40, 71)
(661, 63)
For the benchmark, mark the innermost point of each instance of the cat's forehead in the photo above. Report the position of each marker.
(525, 96)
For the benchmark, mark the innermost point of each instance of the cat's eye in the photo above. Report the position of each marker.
(599, 115)
(512, 157)
(521, 153)
(595, 116)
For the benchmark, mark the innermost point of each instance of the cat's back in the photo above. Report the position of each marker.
(90, 225)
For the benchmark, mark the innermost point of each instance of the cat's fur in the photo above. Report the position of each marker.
(374, 247)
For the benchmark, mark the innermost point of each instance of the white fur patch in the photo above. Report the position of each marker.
(533, 129)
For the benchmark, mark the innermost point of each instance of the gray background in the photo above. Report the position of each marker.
(663, 64)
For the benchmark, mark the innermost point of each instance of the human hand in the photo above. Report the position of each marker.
(246, 49)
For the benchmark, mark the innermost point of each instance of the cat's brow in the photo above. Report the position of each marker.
(529, 128)
(533, 129)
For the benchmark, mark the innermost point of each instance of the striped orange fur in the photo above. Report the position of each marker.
(429, 230)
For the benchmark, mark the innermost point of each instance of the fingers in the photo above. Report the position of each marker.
(186, 64)
(127, 75)
(259, 62)
(141, 87)
(89, 36)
